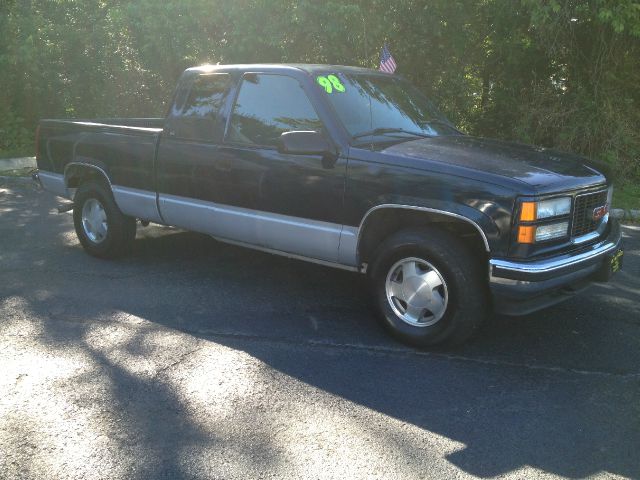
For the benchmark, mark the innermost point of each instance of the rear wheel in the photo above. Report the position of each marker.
(428, 288)
(103, 230)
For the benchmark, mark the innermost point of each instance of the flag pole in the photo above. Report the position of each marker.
(366, 53)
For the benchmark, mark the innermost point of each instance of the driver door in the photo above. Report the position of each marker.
(296, 201)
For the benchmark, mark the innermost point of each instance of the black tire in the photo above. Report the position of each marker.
(120, 231)
(466, 299)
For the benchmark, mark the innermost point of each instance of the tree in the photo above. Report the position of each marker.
(561, 73)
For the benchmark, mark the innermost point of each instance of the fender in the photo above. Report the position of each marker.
(130, 201)
(481, 222)
(60, 183)
(83, 163)
(430, 210)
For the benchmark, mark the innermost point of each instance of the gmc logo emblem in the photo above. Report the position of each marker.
(600, 212)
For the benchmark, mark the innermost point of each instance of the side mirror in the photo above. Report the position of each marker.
(303, 143)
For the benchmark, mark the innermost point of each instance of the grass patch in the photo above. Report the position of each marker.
(19, 172)
(627, 196)
(17, 153)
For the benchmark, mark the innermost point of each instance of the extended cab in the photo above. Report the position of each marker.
(350, 168)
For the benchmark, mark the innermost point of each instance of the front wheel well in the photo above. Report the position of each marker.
(382, 223)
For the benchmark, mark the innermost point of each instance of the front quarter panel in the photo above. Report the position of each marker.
(373, 180)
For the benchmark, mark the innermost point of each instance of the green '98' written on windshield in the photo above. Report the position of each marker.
(330, 83)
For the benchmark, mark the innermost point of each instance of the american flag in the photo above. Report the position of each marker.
(387, 62)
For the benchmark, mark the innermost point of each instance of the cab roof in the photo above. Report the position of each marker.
(303, 67)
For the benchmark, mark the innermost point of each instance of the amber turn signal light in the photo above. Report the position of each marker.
(526, 234)
(528, 212)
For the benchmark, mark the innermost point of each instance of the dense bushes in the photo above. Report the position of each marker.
(557, 73)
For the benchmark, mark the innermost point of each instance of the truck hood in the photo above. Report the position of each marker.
(545, 170)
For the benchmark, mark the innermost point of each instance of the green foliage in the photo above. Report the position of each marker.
(587, 100)
(627, 196)
(15, 137)
(561, 73)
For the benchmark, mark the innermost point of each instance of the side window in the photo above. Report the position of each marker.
(205, 97)
(268, 105)
(199, 114)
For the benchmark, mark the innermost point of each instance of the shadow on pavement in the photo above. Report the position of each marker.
(557, 391)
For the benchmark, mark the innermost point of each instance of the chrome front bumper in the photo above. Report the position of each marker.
(519, 288)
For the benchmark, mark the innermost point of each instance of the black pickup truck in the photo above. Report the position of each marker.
(351, 168)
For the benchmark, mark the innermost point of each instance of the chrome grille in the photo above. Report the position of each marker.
(583, 222)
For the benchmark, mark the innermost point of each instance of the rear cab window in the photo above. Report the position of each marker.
(199, 114)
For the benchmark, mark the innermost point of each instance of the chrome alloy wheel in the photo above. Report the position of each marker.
(94, 220)
(416, 292)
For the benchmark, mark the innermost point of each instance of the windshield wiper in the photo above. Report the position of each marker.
(382, 131)
(440, 122)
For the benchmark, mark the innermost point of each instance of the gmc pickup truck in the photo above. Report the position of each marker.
(351, 168)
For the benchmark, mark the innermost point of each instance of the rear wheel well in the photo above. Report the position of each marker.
(384, 222)
(76, 175)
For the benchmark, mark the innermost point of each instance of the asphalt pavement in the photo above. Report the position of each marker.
(195, 359)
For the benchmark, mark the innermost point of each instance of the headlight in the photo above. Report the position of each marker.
(541, 233)
(534, 211)
(549, 232)
(555, 207)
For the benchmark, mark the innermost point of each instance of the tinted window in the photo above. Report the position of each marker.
(198, 118)
(205, 97)
(370, 102)
(267, 106)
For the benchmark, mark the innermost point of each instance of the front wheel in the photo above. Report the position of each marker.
(428, 287)
(103, 230)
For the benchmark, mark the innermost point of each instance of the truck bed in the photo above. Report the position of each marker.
(127, 144)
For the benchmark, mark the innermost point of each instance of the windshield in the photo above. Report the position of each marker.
(377, 105)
